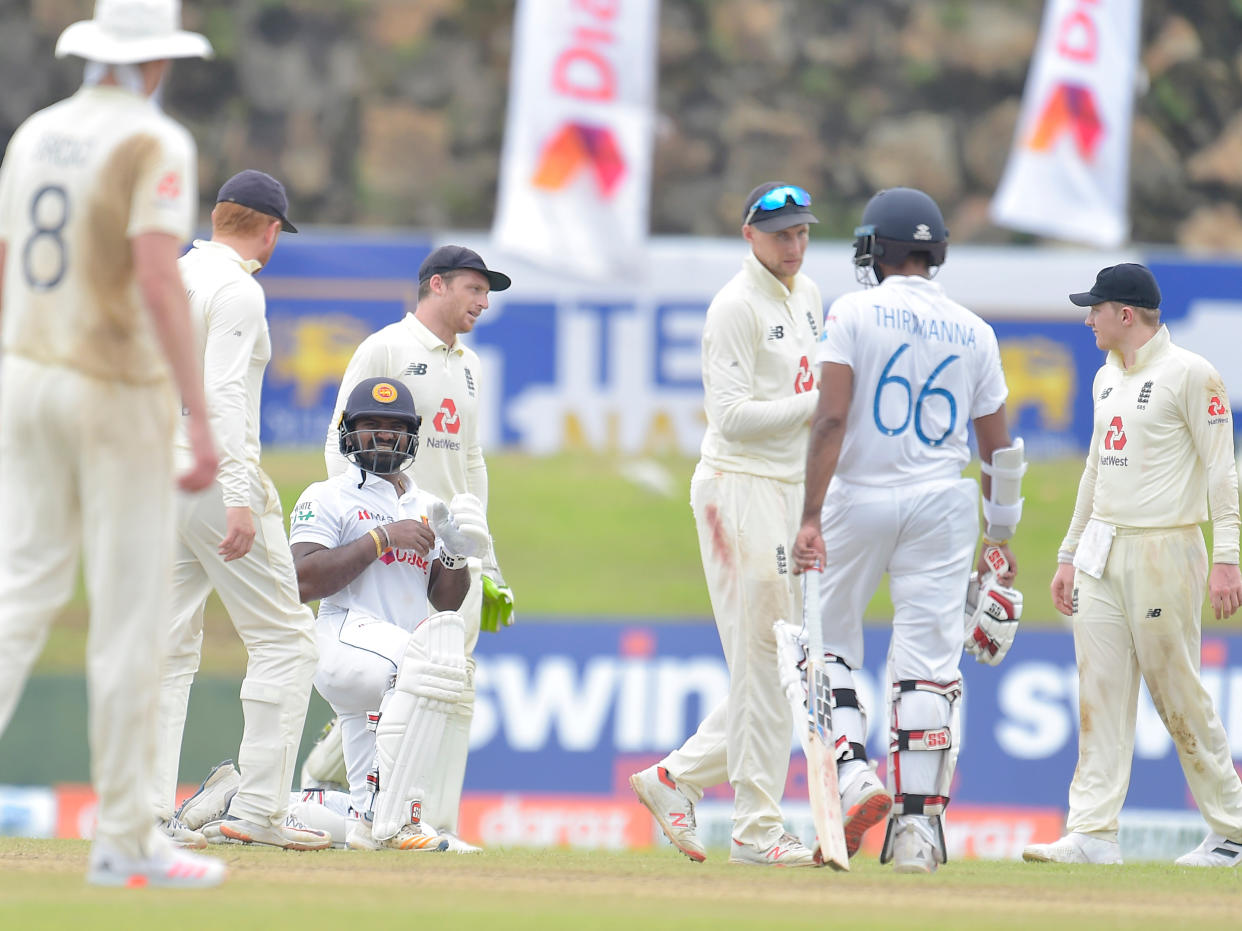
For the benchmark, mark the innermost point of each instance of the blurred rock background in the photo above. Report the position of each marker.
(390, 113)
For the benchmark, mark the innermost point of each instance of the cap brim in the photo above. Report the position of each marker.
(497, 281)
(286, 226)
(86, 39)
(1085, 299)
(782, 221)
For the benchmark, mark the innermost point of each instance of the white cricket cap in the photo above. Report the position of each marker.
(125, 32)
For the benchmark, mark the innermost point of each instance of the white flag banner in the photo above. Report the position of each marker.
(1068, 174)
(575, 175)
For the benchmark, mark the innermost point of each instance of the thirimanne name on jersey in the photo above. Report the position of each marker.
(902, 318)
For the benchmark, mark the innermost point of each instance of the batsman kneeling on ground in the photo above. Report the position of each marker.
(381, 555)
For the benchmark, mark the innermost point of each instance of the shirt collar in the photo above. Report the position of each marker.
(429, 340)
(250, 266)
(359, 478)
(768, 283)
(917, 282)
(1159, 342)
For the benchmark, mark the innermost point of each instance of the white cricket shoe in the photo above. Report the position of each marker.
(1075, 848)
(787, 851)
(864, 804)
(292, 835)
(211, 800)
(1216, 850)
(915, 847)
(164, 865)
(176, 831)
(670, 807)
(414, 836)
(457, 845)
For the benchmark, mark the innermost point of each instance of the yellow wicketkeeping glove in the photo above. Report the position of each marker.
(497, 597)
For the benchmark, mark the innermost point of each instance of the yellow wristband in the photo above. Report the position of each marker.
(379, 547)
(988, 542)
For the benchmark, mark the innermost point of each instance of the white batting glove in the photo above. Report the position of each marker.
(992, 615)
(461, 525)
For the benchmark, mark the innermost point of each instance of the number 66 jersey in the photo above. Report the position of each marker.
(924, 366)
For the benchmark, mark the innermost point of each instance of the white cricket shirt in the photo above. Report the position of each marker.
(445, 383)
(79, 180)
(1162, 448)
(346, 507)
(924, 366)
(759, 383)
(228, 313)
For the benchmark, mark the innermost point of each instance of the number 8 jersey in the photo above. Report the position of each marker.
(80, 179)
(924, 366)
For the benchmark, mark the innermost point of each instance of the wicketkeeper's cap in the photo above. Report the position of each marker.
(126, 32)
(258, 191)
(450, 258)
(1128, 283)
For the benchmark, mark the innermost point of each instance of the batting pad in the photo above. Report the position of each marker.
(410, 729)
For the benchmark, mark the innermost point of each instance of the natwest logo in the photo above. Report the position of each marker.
(1115, 438)
(446, 419)
(1216, 407)
(805, 380)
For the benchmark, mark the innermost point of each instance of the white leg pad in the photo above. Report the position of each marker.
(411, 722)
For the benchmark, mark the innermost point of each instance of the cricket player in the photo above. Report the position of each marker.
(425, 351)
(1132, 570)
(231, 537)
(97, 195)
(759, 385)
(903, 369)
(379, 551)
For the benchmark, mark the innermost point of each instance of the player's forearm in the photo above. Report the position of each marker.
(822, 453)
(748, 419)
(325, 572)
(448, 587)
(1084, 504)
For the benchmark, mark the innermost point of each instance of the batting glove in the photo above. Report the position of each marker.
(497, 597)
(992, 614)
(461, 525)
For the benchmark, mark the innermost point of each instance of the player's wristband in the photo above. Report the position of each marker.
(452, 562)
(988, 541)
(379, 547)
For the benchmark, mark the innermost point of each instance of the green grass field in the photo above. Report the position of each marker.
(41, 887)
(577, 539)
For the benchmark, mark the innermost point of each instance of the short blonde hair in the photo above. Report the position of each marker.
(231, 219)
(1149, 315)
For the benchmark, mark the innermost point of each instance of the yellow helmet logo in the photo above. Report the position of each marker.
(384, 393)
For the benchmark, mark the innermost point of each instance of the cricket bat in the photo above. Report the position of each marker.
(817, 739)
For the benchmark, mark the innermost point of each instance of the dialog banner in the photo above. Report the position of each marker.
(578, 707)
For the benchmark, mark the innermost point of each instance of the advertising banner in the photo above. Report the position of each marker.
(1068, 174)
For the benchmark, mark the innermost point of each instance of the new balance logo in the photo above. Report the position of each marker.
(678, 819)
(1105, 393)
(777, 332)
(1153, 612)
(415, 368)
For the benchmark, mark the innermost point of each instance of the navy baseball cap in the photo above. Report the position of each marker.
(258, 191)
(450, 258)
(1127, 283)
(775, 206)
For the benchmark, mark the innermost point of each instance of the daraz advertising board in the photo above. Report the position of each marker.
(615, 367)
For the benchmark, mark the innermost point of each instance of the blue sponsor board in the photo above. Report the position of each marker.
(565, 707)
(615, 367)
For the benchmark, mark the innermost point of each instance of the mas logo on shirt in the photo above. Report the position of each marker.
(305, 511)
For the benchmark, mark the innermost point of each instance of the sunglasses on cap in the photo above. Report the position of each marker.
(776, 198)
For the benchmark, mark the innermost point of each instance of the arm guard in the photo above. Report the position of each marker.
(1002, 510)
